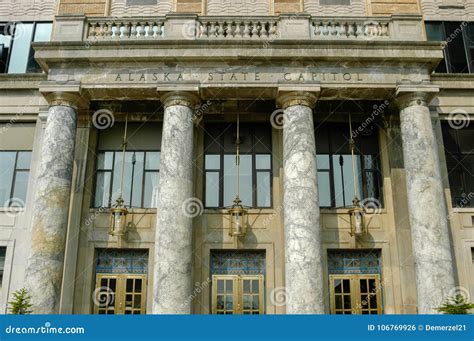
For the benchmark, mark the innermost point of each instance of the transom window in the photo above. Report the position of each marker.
(459, 151)
(221, 170)
(14, 173)
(141, 170)
(334, 162)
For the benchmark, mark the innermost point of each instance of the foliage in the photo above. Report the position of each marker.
(456, 305)
(20, 304)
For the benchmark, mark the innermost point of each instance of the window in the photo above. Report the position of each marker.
(459, 151)
(141, 170)
(3, 251)
(459, 45)
(255, 165)
(14, 173)
(17, 55)
(335, 2)
(334, 162)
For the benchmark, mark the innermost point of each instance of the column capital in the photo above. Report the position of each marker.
(304, 96)
(69, 95)
(407, 95)
(181, 97)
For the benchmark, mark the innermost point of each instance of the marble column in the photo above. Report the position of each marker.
(303, 249)
(173, 239)
(426, 203)
(45, 263)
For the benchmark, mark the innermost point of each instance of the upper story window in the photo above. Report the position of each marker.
(16, 53)
(459, 45)
(14, 173)
(141, 169)
(334, 162)
(220, 180)
(459, 151)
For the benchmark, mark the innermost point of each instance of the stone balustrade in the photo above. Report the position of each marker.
(254, 28)
(178, 26)
(115, 28)
(324, 28)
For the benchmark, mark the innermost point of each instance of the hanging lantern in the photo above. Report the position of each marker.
(238, 219)
(356, 212)
(118, 212)
(118, 219)
(357, 217)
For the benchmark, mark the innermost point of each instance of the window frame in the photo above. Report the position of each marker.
(333, 151)
(15, 170)
(30, 52)
(255, 171)
(458, 156)
(466, 46)
(111, 172)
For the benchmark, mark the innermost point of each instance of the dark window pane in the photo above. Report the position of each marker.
(20, 48)
(42, 34)
(3, 251)
(455, 48)
(435, 32)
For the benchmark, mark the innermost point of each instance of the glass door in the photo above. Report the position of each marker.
(238, 294)
(355, 294)
(120, 294)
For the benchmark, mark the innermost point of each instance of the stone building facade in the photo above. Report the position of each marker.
(306, 80)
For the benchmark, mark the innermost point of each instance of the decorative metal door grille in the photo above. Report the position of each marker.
(114, 261)
(225, 262)
(354, 262)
